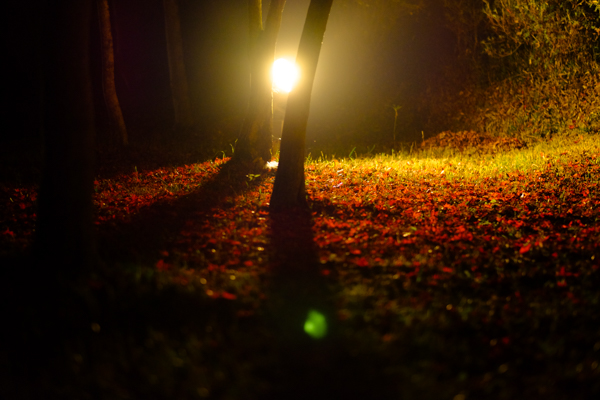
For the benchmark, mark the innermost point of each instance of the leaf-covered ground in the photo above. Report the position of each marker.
(441, 279)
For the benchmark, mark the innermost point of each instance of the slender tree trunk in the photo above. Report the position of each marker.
(179, 85)
(289, 190)
(115, 115)
(255, 139)
(64, 243)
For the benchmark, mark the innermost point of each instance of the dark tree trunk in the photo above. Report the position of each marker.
(179, 85)
(255, 139)
(288, 189)
(115, 115)
(64, 245)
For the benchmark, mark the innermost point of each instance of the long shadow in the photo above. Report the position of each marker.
(139, 240)
(42, 320)
(318, 368)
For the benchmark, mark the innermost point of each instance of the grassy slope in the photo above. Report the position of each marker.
(442, 276)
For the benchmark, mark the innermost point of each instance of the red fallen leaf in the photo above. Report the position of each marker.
(572, 297)
(361, 262)
(446, 269)
(506, 340)
(8, 232)
(525, 248)
(561, 283)
(248, 263)
(228, 296)
(355, 251)
(325, 272)
(162, 266)
(387, 337)
(213, 267)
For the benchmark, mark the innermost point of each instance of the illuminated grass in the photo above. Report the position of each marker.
(457, 165)
(444, 267)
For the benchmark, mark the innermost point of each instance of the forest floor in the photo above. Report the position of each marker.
(443, 274)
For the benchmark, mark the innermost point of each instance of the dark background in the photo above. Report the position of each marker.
(367, 65)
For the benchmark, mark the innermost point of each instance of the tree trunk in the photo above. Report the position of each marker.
(179, 85)
(115, 115)
(288, 189)
(255, 139)
(64, 244)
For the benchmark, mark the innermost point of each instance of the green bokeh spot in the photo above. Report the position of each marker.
(315, 325)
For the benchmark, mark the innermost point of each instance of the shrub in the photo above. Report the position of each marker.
(535, 74)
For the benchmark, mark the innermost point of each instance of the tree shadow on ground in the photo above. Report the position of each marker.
(327, 367)
(140, 239)
(106, 351)
(104, 320)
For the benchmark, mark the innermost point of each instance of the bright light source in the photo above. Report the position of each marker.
(272, 165)
(315, 325)
(285, 75)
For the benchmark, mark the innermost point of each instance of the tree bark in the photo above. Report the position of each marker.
(179, 85)
(289, 189)
(64, 243)
(255, 139)
(115, 115)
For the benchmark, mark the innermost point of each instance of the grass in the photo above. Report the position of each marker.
(441, 275)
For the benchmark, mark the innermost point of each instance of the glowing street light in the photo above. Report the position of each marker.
(284, 74)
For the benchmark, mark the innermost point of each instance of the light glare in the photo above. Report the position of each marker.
(315, 325)
(285, 74)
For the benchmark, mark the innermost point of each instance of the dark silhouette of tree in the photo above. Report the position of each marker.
(289, 189)
(115, 115)
(255, 141)
(64, 244)
(179, 85)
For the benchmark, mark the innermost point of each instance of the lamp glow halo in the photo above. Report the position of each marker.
(284, 74)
